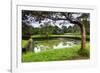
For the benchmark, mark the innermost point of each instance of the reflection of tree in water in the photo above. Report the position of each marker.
(64, 43)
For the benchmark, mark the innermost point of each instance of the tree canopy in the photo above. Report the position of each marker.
(55, 18)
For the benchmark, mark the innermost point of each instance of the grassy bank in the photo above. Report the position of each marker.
(60, 36)
(58, 54)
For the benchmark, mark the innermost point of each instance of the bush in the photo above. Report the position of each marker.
(84, 52)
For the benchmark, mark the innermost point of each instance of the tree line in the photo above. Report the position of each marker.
(47, 29)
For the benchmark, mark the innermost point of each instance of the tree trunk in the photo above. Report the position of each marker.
(30, 46)
(83, 37)
(83, 34)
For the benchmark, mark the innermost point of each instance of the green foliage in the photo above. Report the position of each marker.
(46, 29)
(64, 28)
(87, 26)
(85, 51)
(24, 43)
(26, 29)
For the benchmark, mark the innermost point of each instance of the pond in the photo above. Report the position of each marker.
(57, 43)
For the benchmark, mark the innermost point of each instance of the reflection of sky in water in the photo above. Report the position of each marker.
(61, 45)
(46, 45)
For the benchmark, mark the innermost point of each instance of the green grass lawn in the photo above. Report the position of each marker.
(72, 33)
(72, 53)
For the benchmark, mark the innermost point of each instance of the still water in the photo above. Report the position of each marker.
(58, 43)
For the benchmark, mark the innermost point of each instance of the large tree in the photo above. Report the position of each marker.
(73, 18)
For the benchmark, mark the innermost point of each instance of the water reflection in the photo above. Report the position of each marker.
(58, 43)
